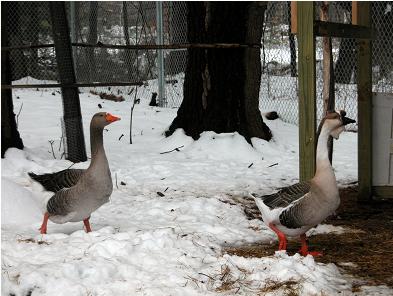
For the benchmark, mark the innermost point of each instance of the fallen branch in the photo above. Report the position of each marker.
(176, 149)
(17, 116)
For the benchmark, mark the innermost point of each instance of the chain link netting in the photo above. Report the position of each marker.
(279, 79)
(135, 23)
(113, 23)
(30, 23)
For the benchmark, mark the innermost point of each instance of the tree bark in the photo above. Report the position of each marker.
(346, 62)
(292, 45)
(382, 48)
(9, 133)
(17, 58)
(76, 150)
(129, 55)
(328, 75)
(347, 54)
(92, 40)
(221, 87)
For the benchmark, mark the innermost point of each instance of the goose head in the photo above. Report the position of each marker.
(102, 119)
(335, 122)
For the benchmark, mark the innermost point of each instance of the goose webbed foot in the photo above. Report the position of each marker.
(43, 227)
(282, 246)
(87, 224)
(304, 249)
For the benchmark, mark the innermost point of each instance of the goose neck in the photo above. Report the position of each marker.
(322, 157)
(96, 144)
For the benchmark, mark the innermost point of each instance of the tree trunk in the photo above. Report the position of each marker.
(346, 62)
(17, 58)
(92, 40)
(221, 87)
(292, 45)
(328, 74)
(76, 150)
(32, 38)
(382, 47)
(129, 55)
(347, 54)
(9, 133)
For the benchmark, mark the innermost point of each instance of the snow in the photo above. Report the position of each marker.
(164, 231)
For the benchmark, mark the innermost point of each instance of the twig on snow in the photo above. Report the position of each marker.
(176, 149)
(51, 146)
(272, 165)
(17, 116)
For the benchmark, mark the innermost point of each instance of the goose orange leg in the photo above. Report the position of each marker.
(43, 227)
(281, 237)
(304, 249)
(87, 224)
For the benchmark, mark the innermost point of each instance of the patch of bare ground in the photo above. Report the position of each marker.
(365, 253)
(232, 282)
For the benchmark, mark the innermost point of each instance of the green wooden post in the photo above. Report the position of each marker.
(307, 94)
(361, 16)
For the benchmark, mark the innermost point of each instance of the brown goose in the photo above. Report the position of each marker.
(295, 209)
(79, 192)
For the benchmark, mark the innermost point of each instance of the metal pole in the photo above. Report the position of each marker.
(160, 56)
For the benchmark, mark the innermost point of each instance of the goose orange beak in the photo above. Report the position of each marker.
(111, 118)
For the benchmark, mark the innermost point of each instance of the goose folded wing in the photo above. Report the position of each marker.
(287, 195)
(59, 180)
(299, 214)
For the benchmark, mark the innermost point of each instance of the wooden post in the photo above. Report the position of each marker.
(307, 103)
(361, 16)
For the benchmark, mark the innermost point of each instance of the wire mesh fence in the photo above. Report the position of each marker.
(102, 23)
(29, 23)
(135, 23)
(279, 84)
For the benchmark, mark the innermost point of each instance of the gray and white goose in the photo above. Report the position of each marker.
(295, 209)
(80, 192)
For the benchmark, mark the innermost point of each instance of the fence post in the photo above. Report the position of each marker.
(307, 91)
(71, 105)
(160, 56)
(361, 15)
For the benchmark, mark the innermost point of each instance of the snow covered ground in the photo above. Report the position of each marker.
(166, 225)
